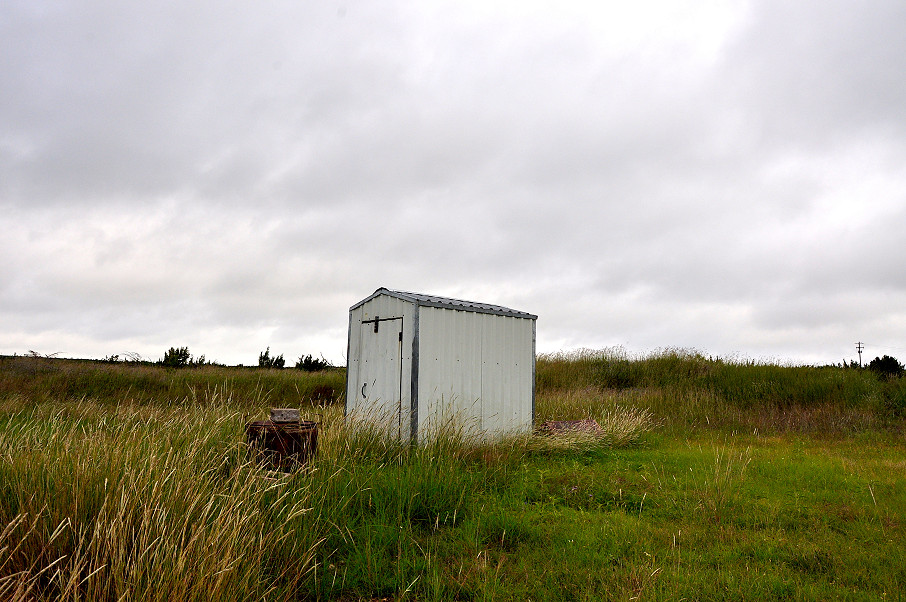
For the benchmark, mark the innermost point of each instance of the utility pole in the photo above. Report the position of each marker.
(859, 348)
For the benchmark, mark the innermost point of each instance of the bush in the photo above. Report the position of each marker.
(176, 358)
(173, 358)
(310, 364)
(266, 361)
(886, 367)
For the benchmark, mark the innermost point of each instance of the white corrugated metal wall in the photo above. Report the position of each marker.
(477, 366)
(507, 373)
(449, 367)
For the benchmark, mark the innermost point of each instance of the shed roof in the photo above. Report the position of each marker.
(447, 303)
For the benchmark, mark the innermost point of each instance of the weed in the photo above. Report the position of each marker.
(720, 485)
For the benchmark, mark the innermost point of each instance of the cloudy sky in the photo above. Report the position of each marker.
(725, 176)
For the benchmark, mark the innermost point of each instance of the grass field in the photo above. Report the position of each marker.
(716, 480)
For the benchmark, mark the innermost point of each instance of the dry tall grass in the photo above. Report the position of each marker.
(140, 505)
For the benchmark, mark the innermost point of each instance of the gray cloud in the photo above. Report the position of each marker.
(727, 178)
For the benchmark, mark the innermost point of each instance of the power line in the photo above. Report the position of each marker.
(887, 348)
(859, 347)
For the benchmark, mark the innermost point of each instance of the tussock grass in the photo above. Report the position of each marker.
(693, 490)
(621, 425)
(139, 502)
(138, 505)
(683, 388)
(156, 501)
(721, 485)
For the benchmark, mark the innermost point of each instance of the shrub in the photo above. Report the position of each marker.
(266, 361)
(176, 358)
(309, 364)
(886, 367)
(173, 358)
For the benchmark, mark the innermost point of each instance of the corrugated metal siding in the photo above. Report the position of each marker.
(477, 366)
(507, 374)
(449, 373)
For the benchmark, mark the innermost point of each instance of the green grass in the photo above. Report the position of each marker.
(716, 480)
(38, 379)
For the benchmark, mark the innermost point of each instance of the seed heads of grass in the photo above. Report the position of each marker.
(721, 482)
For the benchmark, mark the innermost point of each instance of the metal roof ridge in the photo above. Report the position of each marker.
(450, 302)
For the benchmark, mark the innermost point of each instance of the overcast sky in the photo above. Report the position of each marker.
(724, 176)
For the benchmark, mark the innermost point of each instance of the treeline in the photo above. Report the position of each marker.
(181, 357)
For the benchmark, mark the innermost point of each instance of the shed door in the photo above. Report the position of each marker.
(380, 371)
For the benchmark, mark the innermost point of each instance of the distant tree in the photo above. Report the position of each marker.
(886, 367)
(111, 359)
(266, 361)
(310, 364)
(176, 357)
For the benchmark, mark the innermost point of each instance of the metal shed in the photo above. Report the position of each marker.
(416, 360)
